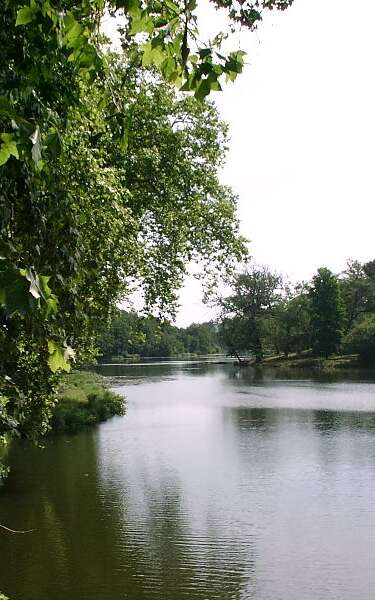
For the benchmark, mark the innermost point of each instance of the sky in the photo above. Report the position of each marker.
(302, 135)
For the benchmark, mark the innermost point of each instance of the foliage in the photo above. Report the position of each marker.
(84, 400)
(361, 340)
(255, 295)
(201, 338)
(369, 269)
(291, 331)
(311, 315)
(327, 313)
(235, 336)
(249, 13)
(131, 335)
(357, 288)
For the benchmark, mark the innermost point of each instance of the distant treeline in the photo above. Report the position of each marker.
(327, 315)
(132, 335)
(262, 316)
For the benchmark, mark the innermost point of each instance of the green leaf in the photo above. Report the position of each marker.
(152, 55)
(133, 8)
(25, 15)
(8, 147)
(174, 7)
(57, 360)
(205, 52)
(169, 68)
(73, 31)
(214, 84)
(51, 306)
(203, 89)
(142, 24)
(45, 289)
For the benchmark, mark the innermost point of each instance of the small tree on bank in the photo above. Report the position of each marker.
(327, 313)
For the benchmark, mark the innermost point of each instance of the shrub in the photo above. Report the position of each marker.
(84, 400)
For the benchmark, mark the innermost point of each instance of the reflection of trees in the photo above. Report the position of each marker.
(151, 372)
(247, 419)
(326, 420)
(322, 420)
(261, 374)
(247, 375)
(187, 554)
(100, 537)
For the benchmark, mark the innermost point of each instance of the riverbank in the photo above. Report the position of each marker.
(308, 361)
(84, 400)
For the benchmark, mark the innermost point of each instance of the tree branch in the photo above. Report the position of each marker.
(15, 530)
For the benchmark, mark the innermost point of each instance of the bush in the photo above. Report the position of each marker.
(361, 340)
(84, 400)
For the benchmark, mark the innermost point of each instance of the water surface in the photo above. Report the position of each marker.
(218, 484)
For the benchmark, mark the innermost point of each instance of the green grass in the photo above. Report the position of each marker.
(84, 400)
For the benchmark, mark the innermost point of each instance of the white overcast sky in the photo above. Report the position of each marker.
(302, 130)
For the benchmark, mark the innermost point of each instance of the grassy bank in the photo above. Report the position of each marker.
(84, 400)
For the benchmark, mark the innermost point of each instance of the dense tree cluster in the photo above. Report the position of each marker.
(132, 335)
(331, 313)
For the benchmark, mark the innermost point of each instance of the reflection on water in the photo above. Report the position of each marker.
(217, 484)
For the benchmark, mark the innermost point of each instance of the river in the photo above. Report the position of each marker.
(218, 484)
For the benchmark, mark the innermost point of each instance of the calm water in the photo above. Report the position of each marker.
(217, 484)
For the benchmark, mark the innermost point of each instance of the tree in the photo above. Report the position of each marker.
(64, 42)
(139, 212)
(234, 336)
(361, 340)
(357, 288)
(292, 316)
(255, 295)
(327, 312)
(123, 336)
(369, 269)
(201, 338)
